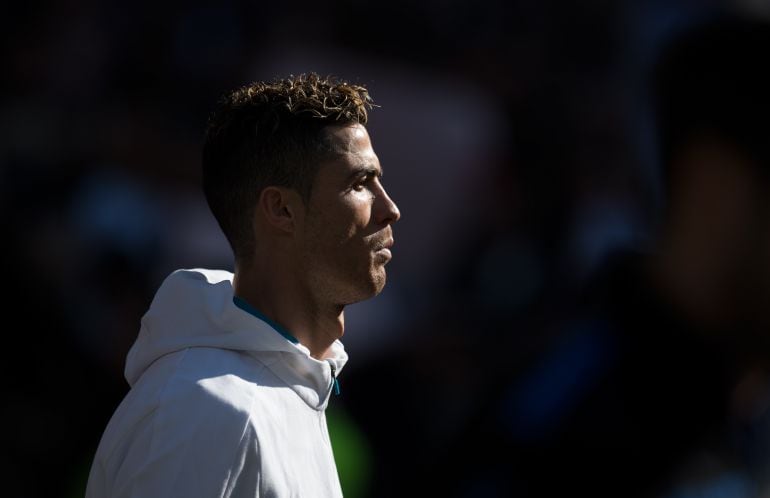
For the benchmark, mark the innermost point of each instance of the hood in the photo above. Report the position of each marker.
(195, 308)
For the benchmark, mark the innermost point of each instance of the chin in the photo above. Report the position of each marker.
(379, 278)
(373, 286)
(378, 286)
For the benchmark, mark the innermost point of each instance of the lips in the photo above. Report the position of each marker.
(384, 248)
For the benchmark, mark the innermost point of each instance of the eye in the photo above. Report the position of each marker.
(362, 182)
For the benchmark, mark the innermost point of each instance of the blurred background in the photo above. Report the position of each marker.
(517, 139)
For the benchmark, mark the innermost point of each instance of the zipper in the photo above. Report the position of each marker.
(335, 383)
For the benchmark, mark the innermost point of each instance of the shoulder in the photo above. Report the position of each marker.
(221, 382)
(185, 429)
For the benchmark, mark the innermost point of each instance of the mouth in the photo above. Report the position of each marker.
(384, 249)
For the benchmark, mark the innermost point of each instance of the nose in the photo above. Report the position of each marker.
(386, 210)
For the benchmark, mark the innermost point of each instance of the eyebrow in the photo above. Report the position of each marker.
(367, 169)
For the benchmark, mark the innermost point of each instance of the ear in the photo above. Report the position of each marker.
(282, 208)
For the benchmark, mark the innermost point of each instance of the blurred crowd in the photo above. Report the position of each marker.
(526, 344)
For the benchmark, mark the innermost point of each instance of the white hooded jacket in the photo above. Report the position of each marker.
(222, 404)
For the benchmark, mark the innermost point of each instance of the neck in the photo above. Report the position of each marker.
(280, 294)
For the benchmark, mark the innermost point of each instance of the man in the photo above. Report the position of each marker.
(658, 382)
(231, 374)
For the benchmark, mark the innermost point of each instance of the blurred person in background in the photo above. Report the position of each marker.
(231, 373)
(657, 381)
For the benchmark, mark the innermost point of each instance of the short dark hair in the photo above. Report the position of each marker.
(711, 78)
(272, 134)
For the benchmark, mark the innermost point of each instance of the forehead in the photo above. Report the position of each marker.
(350, 145)
(348, 139)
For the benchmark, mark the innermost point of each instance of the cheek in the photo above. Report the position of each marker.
(334, 227)
(340, 222)
(355, 213)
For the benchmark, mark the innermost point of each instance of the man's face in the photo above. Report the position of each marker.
(346, 234)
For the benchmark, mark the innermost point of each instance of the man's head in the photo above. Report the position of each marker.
(710, 84)
(291, 163)
(713, 110)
